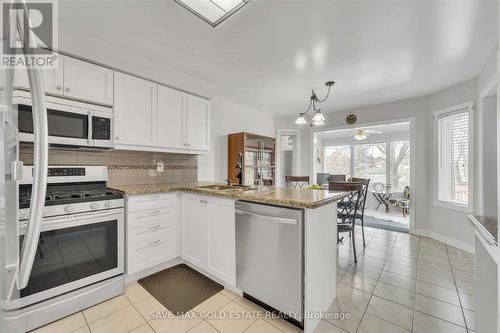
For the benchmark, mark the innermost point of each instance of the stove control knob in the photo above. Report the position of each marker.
(94, 205)
(68, 209)
(109, 204)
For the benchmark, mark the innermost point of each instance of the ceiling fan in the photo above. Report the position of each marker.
(361, 134)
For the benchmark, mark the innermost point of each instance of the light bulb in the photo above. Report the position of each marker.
(301, 120)
(318, 116)
(318, 122)
(360, 136)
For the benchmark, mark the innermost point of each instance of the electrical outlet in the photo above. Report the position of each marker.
(160, 167)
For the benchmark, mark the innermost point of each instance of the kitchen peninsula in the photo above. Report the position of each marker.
(213, 235)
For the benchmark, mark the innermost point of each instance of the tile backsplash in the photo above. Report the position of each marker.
(127, 167)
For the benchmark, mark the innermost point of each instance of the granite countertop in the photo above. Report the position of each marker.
(487, 227)
(279, 196)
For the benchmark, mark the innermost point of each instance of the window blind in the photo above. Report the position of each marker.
(453, 157)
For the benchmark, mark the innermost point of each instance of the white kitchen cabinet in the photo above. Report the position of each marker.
(152, 235)
(197, 123)
(171, 106)
(135, 111)
(53, 79)
(86, 81)
(208, 235)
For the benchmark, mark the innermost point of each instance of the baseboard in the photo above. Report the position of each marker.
(447, 240)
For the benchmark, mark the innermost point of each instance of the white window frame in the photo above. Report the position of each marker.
(445, 204)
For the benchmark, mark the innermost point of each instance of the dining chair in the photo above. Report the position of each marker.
(347, 208)
(297, 181)
(360, 213)
(337, 178)
(322, 177)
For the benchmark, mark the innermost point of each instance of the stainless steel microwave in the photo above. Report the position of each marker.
(71, 124)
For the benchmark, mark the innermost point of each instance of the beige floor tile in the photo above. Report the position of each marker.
(470, 319)
(229, 294)
(423, 323)
(376, 254)
(150, 308)
(143, 329)
(406, 253)
(203, 327)
(462, 266)
(436, 279)
(135, 292)
(463, 275)
(397, 280)
(64, 325)
(212, 304)
(391, 312)
(84, 329)
(371, 261)
(105, 308)
(468, 301)
(401, 270)
(250, 306)
(440, 310)
(395, 294)
(283, 325)
(344, 316)
(233, 318)
(437, 292)
(359, 282)
(466, 287)
(352, 296)
(124, 320)
(410, 262)
(366, 271)
(434, 260)
(262, 326)
(326, 327)
(372, 324)
(441, 252)
(433, 268)
(175, 324)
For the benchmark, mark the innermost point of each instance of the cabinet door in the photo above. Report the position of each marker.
(197, 123)
(170, 118)
(87, 81)
(194, 230)
(135, 111)
(222, 239)
(52, 78)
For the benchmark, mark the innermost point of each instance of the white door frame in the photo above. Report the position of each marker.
(411, 121)
(280, 132)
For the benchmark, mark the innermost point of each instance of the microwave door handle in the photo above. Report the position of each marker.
(41, 147)
(89, 138)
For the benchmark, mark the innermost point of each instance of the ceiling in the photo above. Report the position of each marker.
(394, 130)
(271, 53)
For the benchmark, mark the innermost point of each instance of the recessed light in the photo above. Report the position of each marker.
(214, 12)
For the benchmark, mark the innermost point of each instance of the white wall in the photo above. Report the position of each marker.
(228, 117)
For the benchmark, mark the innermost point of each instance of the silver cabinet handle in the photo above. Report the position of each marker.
(117, 137)
(155, 212)
(89, 138)
(41, 147)
(67, 89)
(58, 87)
(266, 218)
(154, 227)
(155, 242)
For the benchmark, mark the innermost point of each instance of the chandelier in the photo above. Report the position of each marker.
(313, 115)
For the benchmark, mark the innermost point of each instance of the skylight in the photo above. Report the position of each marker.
(213, 12)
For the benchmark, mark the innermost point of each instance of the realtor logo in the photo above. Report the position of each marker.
(29, 33)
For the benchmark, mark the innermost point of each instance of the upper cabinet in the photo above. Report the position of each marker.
(171, 105)
(76, 79)
(197, 123)
(87, 81)
(135, 111)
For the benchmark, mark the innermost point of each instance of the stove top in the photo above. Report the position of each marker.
(64, 194)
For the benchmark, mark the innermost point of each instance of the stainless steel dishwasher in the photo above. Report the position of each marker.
(269, 257)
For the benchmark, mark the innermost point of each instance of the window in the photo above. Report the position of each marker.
(400, 165)
(453, 147)
(370, 162)
(337, 160)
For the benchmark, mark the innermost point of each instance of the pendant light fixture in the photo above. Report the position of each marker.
(313, 115)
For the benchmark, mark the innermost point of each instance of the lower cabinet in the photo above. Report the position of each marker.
(152, 231)
(208, 235)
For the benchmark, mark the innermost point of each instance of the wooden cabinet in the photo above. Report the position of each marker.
(87, 81)
(135, 111)
(197, 123)
(208, 235)
(171, 124)
(76, 79)
(152, 231)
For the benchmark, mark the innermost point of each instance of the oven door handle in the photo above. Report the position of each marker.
(89, 139)
(41, 147)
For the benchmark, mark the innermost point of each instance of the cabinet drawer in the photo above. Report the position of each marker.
(163, 217)
(146, 234)
(151, 202)
(157, 249)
